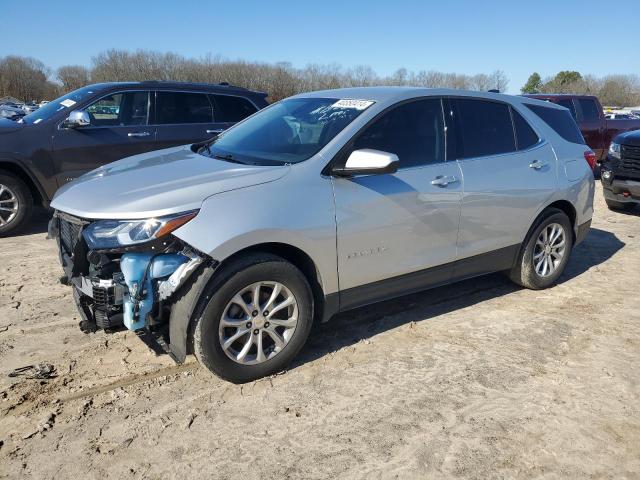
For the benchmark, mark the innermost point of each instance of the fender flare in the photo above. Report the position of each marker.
(185, 301)
(27, 172)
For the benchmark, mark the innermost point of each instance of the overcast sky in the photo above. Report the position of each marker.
(452, 36)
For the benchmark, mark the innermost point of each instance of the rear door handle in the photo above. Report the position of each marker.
(219, 130)
(537, 164)
(138, 134)
(443, 180)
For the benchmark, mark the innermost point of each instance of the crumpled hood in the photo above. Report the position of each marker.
(157, 183)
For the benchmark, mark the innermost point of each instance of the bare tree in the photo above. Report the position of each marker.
(73, 76)
(24, 78)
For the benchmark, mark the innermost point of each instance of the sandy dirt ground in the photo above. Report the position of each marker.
(477, 380)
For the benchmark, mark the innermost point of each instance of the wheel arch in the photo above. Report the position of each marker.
(184, 306)
(19, 171)
(568, 208)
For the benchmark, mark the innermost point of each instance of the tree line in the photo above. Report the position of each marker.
(612, 90)
(29, 79)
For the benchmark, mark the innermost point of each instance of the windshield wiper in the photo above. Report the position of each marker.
(228, 158)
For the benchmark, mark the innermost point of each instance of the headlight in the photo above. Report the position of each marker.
(104, 234)
(614, 150)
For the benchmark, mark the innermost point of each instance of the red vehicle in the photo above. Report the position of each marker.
(597, 130)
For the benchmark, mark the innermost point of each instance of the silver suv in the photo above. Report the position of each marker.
(323, 202)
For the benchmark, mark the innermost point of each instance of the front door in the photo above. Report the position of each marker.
(392, 227)
(119, 128)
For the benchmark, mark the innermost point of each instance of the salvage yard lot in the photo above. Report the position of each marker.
(477, 380)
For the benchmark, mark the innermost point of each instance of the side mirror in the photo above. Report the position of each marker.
(78, 119)
(368, 162)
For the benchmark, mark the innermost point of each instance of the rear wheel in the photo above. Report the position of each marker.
(255, 317)
(16, 203)
(546, 251)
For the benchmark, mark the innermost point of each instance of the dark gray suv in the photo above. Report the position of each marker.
(101, 123)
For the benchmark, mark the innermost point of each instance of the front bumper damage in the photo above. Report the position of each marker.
(127, 287)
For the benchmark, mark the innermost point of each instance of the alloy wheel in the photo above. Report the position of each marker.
(549, 250)
(8, 205)
(258, 322)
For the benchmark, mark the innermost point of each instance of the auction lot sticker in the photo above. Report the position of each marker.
(357, 104)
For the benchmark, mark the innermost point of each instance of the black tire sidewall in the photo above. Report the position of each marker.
(532, 279)
(25, 203)
(216, 297)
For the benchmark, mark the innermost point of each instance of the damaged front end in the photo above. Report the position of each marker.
(125, 273)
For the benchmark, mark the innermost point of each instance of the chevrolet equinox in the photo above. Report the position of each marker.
(231, 248)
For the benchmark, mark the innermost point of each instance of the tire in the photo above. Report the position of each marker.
(218, 299)
(613, 205)
(524, 271)
(14, 188)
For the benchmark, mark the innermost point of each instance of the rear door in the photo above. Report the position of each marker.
(183, 118)
(392, 225)
(119, 128)
(592, 123)
(509, 173)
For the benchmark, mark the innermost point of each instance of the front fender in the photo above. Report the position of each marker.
(289, 211)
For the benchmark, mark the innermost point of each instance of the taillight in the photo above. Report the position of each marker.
(590, 157)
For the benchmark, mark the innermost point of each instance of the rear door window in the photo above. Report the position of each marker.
(183, 108)
(413, 131)
(589, 109)
(560, 121)
(568, 103)
(482, 128)
(231, 109)
(525, 135)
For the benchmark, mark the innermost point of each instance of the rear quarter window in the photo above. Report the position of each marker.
(560, 121)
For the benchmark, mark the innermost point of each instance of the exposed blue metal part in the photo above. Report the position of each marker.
(139, 270)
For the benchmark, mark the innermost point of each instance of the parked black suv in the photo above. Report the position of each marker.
(620, 173)
(101, 123)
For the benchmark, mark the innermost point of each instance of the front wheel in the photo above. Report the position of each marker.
(256, 315)
(16, 203)
(546, 251)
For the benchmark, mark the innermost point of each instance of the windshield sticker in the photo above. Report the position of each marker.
(68, 102)
(355, 104)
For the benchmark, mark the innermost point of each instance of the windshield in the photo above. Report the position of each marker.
(289, 131)
(66, 102)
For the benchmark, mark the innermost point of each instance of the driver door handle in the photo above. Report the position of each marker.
(537, 164)
(443, 180)
(219, 130)
(138, 134)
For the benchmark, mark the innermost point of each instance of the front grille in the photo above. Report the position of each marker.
(630, 160)
(69, 235)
